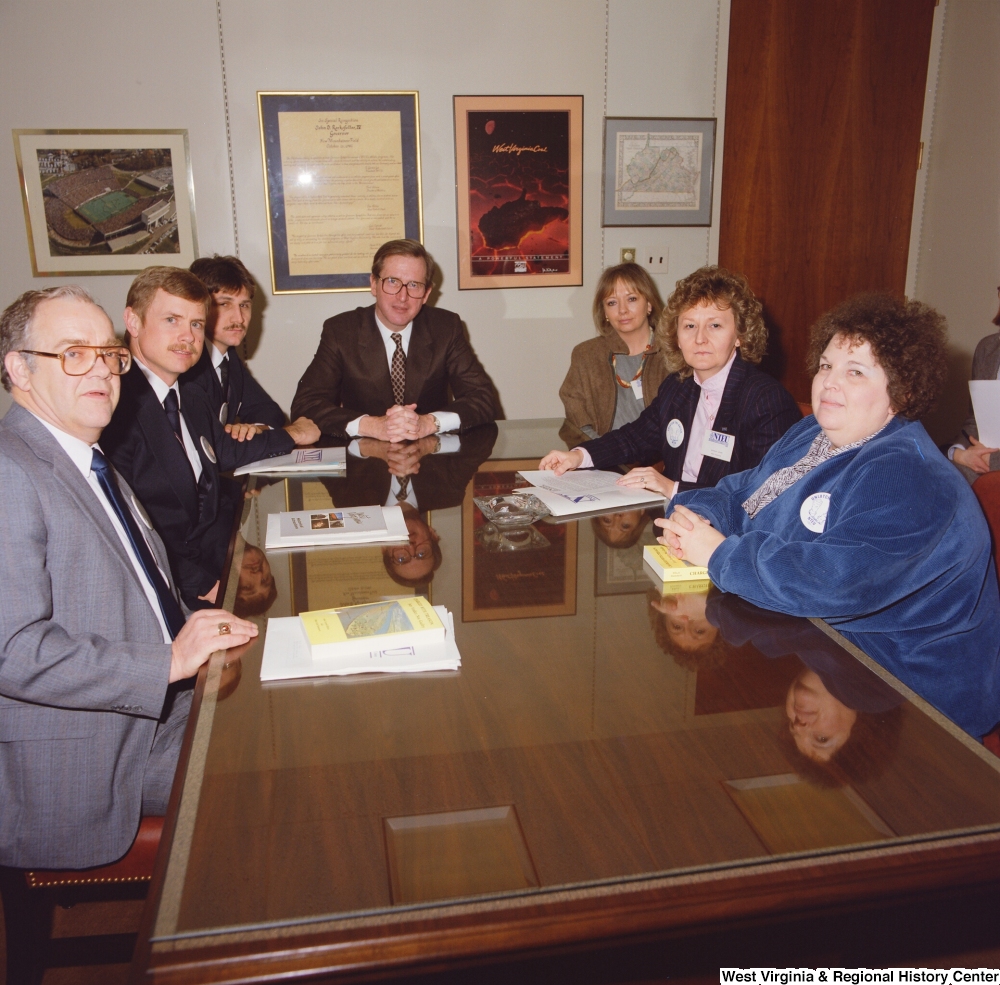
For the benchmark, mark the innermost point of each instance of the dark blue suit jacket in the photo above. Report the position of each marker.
(756, 408)
(194, 520)
(248, 400)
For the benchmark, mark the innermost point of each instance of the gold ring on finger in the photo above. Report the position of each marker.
(225, 629)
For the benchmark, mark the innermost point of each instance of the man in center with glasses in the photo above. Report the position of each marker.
(396, 370)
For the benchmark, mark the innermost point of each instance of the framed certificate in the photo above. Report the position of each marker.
(341, 177)
(519, 180)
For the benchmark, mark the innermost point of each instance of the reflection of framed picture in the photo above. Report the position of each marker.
(341, 177)
(519, 167)
(658, 172)
(106, 201)
(513, 574)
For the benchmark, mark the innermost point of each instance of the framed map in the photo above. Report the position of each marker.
(658, 172)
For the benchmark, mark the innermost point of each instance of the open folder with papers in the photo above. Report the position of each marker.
(302, 461)
(586, 491)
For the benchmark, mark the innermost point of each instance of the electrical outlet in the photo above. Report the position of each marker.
(655, 259)
(627, 254)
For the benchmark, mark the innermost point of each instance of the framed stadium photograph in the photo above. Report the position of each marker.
(519, 181)
(658, 172)
(106, 201)
(341, 177)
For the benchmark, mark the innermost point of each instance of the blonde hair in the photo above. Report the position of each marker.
(724, 289)
(637, 279)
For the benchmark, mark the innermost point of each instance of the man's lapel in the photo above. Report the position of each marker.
(419, 358)
(371, 352)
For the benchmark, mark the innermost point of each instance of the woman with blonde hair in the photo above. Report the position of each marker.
(715, 413)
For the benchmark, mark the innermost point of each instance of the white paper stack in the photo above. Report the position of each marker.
(302, 461)
(586, 491)
(986, 405)
(288, 655)
(334, 527)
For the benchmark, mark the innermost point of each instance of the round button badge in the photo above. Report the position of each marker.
(813, 511)
(675, 433)
(208, 450)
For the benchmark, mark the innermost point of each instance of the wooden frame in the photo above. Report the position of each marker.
(106, 201)
(658, 172)
(559, 547)
(531, 239)
(324, 222)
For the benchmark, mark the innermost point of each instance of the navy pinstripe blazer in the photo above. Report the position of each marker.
(755, 407)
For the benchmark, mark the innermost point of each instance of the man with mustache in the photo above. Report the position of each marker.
(234, 395)
(165, 439)
(93, 643)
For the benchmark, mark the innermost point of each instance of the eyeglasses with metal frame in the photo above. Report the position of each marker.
(404, 555)
(78, 360)
(393, 285)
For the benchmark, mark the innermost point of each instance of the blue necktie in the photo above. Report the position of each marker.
(172, 614)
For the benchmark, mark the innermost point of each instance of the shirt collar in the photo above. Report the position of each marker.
(80, 453)
(717, 383)
(159, 387)
(386, 332)
(217, 356)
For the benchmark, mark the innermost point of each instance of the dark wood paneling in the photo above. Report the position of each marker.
(822, 139)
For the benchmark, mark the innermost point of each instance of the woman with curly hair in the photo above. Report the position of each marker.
(855, 517)
(716, 413)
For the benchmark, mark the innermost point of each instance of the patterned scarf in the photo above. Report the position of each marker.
(775, 484)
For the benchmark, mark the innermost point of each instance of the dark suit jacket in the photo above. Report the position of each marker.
(83, 665)
(985, 364)
(754, 406)
(195, 521)
(438, 485)
(248, 401)
(349, 375)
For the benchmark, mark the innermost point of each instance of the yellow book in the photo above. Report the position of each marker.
(354, 628)
(669, 568)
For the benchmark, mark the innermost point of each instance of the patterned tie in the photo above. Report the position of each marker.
(404, 488)
(224, 375)
(398, 373)
(173, 411)
(172, 614)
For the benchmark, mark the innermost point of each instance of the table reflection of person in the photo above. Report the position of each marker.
(414, 564)
(839, 713)
(620, 530)
(854, 515)
(256, 591)
(683, 631)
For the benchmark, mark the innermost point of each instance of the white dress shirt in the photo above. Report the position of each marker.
(161, 390)
(82, 455)
(217, 358)
(704, 418)
(447, 420)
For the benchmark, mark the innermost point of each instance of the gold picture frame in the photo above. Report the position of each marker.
(527, 144)
(106, 201)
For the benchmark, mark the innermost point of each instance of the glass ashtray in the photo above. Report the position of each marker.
(512, 510)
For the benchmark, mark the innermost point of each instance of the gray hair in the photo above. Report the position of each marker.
(15, 322)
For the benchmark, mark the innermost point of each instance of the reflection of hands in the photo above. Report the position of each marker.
(689, 536)
(199, 638)
(374, 448)
(303, 431)
(975, 457)
(648, 478)
(561, 461)
(240, 432)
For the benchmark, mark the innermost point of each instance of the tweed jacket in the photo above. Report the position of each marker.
(83, 665)
(589, 392)
(755, 408)
(349, 374)
(985, 363)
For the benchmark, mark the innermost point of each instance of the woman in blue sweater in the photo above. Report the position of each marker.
(854, 516)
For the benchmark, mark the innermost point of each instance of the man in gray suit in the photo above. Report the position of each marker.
(972, 457)
(92, 639)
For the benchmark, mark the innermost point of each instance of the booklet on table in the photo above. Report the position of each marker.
(302, 461)
(331, 527)
(586, 491)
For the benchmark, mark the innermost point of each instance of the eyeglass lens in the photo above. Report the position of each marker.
(79, 359)
(415, 288)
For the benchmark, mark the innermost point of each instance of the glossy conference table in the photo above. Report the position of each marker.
(593, 776)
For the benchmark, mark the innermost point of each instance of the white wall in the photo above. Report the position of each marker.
(958, 257)
(156, 64)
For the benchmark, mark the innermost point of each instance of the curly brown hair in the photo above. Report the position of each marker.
(907, 340)
(724, 289)
(635, 278)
